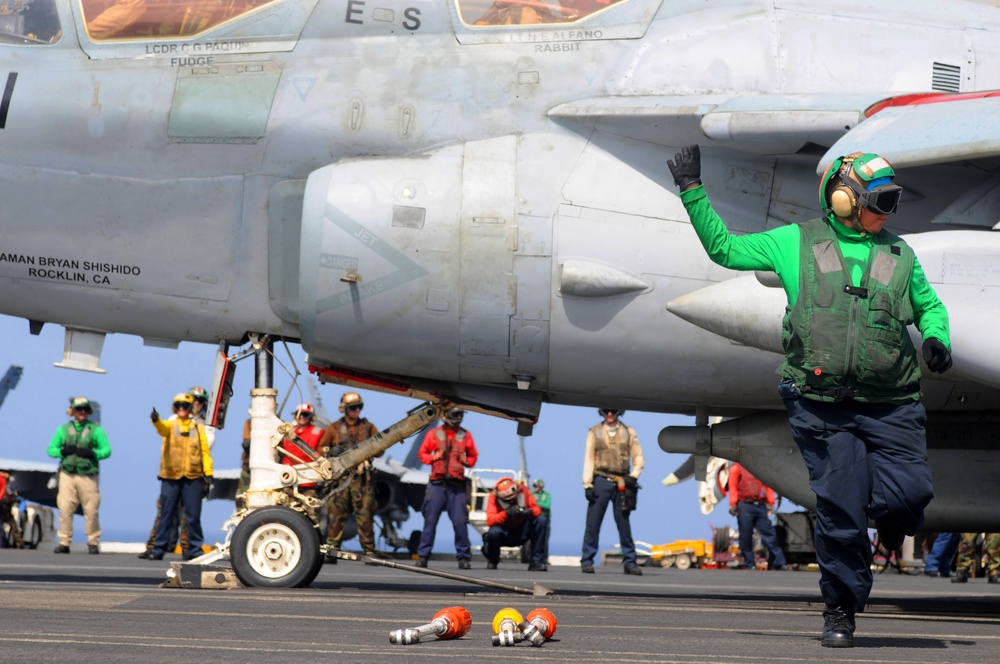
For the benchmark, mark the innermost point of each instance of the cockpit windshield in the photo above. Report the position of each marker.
(29, 22)
(480, 13)
(159, 19)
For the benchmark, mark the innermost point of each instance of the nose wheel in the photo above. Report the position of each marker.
(275, 547)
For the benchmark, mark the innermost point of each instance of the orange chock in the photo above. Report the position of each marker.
(449, 623)
(538, 627)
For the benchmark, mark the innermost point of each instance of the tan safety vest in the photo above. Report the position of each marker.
(612, 454)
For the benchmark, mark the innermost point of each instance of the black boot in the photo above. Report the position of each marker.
(838, 627)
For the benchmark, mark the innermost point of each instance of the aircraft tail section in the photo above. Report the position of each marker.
(412, 459)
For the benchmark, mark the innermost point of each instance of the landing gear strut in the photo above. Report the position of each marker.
(276, 541)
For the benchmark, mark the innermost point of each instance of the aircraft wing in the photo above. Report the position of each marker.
(927, 133)
(34, 481)
(759, 124)
(224, 483)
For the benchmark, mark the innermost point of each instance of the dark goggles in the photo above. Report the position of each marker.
(883, 199)
(609, 411)
(81, 409)
(354, 407)
(181, 404)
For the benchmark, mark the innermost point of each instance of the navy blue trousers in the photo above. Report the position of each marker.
(607, 492)
(437, 499)
(535, 530)
(748, 517)
(866, 461)
(188, 493)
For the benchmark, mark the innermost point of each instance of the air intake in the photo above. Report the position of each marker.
(946, 78)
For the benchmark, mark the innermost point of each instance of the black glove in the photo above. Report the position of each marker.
(154, 415)
(206, 486)
(336, 450)
(686, 167)
(515, 511)
(86, 453)
(68, 450)
(936, 355)
(733, 510)
(590, 493)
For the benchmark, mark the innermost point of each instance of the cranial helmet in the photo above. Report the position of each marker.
(350, 399)
(199, 393)
(80, 402)
(859, 180)
(454, 416)
(183, 399)
(602, 411)
(506, 488)
(540, 483)
(304, 409)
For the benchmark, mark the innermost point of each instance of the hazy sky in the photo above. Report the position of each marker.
(140, 377)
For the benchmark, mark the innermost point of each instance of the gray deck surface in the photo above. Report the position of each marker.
(110, 608)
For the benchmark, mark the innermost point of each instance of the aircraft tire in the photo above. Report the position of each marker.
(414, 542)
(275, 547)
(314, 572)
(34, 537)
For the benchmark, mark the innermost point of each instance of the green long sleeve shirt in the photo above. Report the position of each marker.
(99, 444)
(777, 250)
(544, 500)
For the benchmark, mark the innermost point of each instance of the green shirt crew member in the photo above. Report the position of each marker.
(542, 497)
(544, 500)
(850, 379)
(80, 445)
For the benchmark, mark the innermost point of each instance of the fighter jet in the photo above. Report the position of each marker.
(469, 203)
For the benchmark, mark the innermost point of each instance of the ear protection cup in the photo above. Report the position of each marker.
(842, 201)
(826, 182)
(833, 194)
